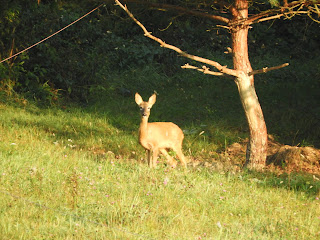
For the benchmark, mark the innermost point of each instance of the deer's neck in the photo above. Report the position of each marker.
(143, 130)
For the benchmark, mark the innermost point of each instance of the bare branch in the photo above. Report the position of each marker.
(204, 70)
(267, 69)
(181, 10)
(269, 18)
(315, 10)
(218, 66)
(191, 12)
(288, 10)
(223, 26)
(292, 14)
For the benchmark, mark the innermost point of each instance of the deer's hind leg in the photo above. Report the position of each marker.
(171, 161)
(181, 156)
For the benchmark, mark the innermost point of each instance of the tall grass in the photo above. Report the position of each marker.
(78, 174)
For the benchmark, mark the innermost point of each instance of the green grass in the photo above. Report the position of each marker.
(79, 174)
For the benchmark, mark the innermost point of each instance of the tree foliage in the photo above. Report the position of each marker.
(75, 60)
(80, 59)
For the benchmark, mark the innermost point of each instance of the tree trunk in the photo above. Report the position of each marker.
(257, 146)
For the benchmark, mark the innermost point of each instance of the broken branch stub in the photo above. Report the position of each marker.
(268, 69)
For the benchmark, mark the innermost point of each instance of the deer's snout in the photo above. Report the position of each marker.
(143, 112)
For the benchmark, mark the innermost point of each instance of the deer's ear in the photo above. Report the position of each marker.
(152, 99)
(138, 98)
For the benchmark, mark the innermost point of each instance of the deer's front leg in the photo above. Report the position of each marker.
(155, 153)
(149, 160)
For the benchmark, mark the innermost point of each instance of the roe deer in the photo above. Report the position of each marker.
(158, 136)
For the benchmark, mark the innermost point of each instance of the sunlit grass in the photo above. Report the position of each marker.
(73, 174)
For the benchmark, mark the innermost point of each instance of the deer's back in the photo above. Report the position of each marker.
(162, 135)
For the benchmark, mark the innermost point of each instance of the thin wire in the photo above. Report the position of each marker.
(52, 34)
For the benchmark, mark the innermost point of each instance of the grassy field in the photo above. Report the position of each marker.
(78, 173)
(70, 163)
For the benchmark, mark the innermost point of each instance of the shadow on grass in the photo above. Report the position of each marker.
(301, 183)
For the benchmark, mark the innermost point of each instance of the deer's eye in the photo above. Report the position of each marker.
(149, 108)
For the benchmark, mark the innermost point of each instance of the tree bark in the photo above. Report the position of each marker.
(257, 146)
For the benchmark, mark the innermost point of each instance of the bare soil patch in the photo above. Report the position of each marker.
(281, 158)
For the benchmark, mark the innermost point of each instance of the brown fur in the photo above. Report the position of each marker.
(158, 136)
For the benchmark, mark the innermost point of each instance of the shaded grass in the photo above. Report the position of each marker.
(289, 98)
(76, 174)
